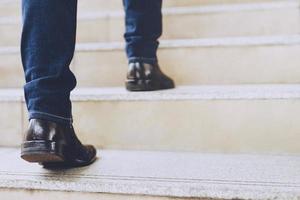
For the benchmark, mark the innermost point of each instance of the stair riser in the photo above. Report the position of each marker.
(13, 8)
(95, 5)
(196, 25)
(236, 126)
(17, 194)
(199, 65)
(253, 126)
(11, 120)
(11, 71)
(192, 66)
(244, 23)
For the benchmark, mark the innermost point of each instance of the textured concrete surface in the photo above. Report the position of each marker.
(170, 174)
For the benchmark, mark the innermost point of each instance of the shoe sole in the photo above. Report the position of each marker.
(42, 151)
(146, 86)
(66, 165)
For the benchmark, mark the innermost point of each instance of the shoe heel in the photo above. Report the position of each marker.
(41, 151)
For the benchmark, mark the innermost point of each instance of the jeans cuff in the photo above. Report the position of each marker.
(49, 117)
(143, 59)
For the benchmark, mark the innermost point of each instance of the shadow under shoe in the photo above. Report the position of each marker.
(147, 77)
(55, 145)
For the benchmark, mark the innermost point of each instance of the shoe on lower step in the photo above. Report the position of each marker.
(55, 145)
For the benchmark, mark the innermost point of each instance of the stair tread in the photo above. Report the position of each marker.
(177, 174)
(200, 92)
(203, 92)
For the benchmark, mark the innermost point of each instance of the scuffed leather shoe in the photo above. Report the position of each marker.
(55, 145)
(147, 77)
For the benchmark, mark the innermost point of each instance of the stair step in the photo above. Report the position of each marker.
(270, 18)
(13, 7)
(237, 60)
(234, 119)
(204, 21)
(158, 174)
(95, 5)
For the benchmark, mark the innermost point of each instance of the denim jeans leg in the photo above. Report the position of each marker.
(143, 20)
(47, 48)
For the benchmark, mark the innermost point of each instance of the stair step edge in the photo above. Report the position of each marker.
(204, 92)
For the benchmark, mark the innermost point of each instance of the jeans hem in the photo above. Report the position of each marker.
(142, 59)
(49, 117)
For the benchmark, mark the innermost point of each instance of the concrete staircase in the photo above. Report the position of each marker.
(230, 130)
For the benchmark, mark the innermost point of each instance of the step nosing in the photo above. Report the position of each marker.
(242, 41)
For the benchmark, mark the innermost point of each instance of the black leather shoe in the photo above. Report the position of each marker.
(147, 77)
(55, 145)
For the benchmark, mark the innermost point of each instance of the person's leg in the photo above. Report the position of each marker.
(47, 48)
(143, 19)
(143, 28)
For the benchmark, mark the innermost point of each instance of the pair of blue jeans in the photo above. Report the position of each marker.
(48, 44)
